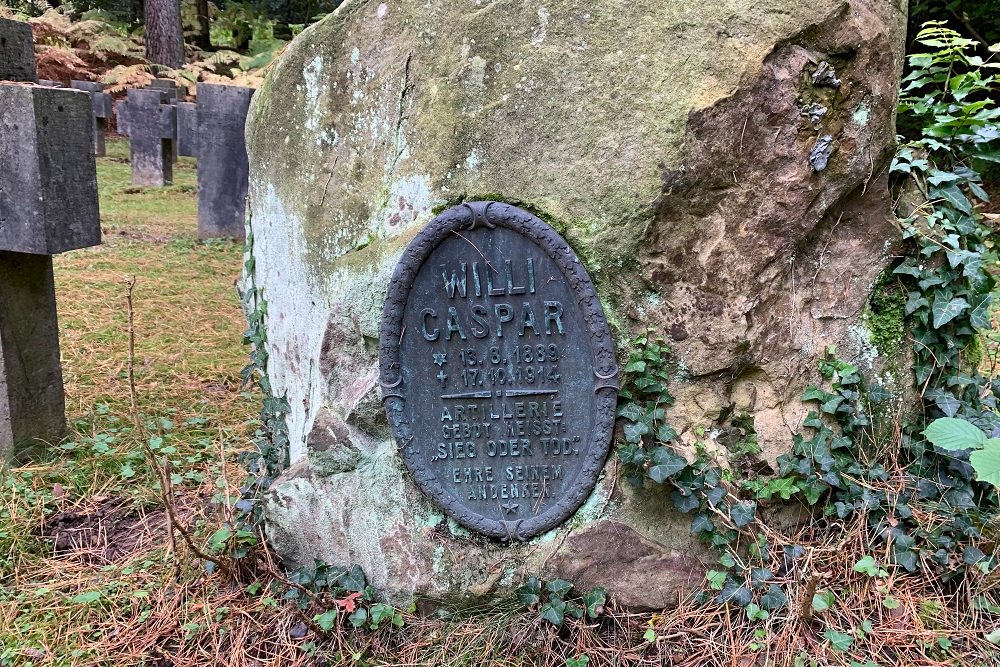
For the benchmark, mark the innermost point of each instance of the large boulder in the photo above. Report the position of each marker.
(719, 167)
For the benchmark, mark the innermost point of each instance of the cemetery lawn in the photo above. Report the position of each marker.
(86, 571)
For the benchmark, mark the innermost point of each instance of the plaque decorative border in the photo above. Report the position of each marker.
(465, 217)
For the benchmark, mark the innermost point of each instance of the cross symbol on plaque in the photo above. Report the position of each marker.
(442, 375)
(440, 358)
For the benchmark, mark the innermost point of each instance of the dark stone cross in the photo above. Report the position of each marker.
(48, 205)
(212, 131)
(168, 86)
(150, 123)
(17, 52)
(100, 102)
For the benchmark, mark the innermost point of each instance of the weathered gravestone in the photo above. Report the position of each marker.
(213, 131)
(670, 146)
(48, 205)
(168, 86)
(101, 104)
(17, 51)
(187, 129)
(151, 126)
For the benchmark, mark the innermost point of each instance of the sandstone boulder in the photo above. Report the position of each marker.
(718, 167)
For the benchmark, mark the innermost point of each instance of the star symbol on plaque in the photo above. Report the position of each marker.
(510, 507)
(440, 358)
(442, 375)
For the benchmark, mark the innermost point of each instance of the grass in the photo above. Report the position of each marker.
(60, 515)
(89, 574)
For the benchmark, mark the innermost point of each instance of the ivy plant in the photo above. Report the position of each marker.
(556, 599)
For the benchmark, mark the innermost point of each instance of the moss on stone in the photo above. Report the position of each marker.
(974, 353)
(885, 315)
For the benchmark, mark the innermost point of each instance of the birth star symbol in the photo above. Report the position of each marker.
(442, 375)
(510, 507)
(440, 358)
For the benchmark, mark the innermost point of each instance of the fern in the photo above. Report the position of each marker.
(122, 77)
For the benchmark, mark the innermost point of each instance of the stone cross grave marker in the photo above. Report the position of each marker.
(48, 205)
(212, 131)
(100, 102)
(169, 87)
(150, 124)
(17, 52)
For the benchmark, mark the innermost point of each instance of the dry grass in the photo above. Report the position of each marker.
(88, 575)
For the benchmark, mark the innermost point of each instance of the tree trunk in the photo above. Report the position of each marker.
(164, 39)
(204, 27)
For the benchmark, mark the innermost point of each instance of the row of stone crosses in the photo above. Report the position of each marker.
(49, 136)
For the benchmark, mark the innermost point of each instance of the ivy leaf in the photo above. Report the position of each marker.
(743, 512)
(666, 464)
(630, 411)
(634, 431)
(972, 555)
(716, 579)
(702, 524)
(838, 640)
(867, 565)
(530, 593)
(830, 406)
(735, 593)
(359, 617)
(937, 177)
(558, 587)
(665, 433)
(353, 580)
(905, 558)
(908, 268)
(574, 610)
(760, 575)
(815, 394)
(986, 462)
(945, 310)
(635, 366)
(219, 538)
(595, 600)
(915, 301)
(685, 502)
(822, 601)
(890, 602)
(755, 613)
(954, 434)
(979, 316)
(947, 403)
(86, 597)
(554, 612)
(774, 599)
(954, 196)
(326, 620)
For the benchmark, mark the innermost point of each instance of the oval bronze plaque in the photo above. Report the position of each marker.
(498, 371)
